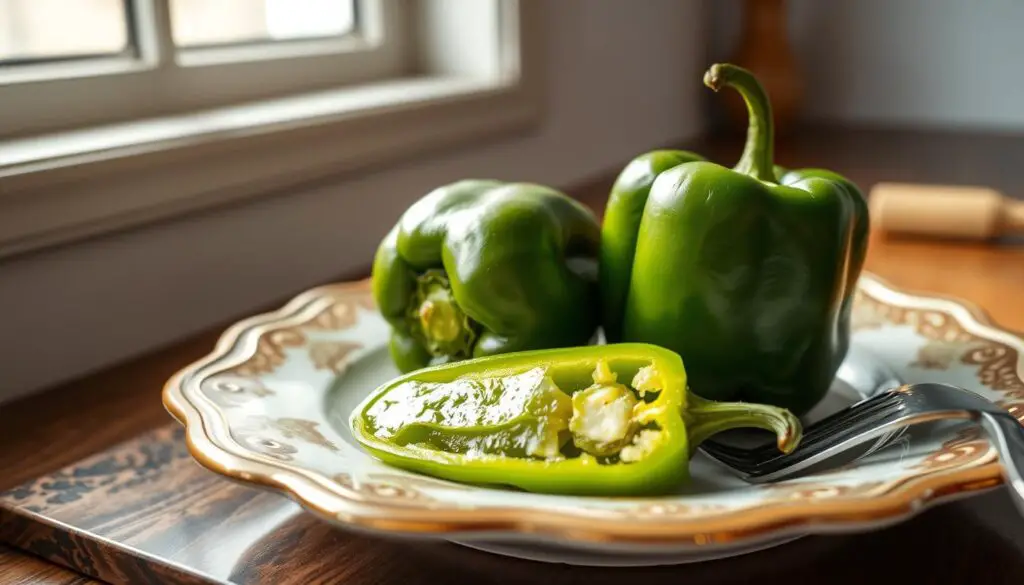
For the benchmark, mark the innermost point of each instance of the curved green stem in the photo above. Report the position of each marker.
(446, 330)
(708, 417)
(758, 152)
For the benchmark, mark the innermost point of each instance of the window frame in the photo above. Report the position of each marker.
(155, 78)
(60, 187)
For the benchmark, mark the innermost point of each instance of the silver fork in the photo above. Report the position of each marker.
(877, 421)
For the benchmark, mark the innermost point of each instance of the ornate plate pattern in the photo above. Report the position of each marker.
(269, 407)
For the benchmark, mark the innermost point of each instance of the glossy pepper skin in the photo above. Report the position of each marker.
(514, 420)
(483, 267)
(747, 272)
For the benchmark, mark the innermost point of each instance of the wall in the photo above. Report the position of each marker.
(614, 91)
(946, 63)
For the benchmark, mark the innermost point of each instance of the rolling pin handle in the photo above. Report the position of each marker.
(944, 211)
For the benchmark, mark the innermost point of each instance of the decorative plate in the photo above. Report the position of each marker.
(269, 407)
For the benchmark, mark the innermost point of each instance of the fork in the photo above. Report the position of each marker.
(878, 420)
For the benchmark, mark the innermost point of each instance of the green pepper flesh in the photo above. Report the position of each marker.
(520, 415)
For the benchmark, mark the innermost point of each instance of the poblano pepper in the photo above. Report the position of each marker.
(748, 273)
(482, 267)
(592, 420)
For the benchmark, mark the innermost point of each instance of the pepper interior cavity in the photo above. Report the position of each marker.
(525, 414)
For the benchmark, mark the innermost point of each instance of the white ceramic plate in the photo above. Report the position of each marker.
(269, 407)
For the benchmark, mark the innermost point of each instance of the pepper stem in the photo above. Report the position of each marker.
(705, 418)
(758, 152)
(445, 328)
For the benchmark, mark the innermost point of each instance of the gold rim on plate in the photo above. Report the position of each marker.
(966, 464)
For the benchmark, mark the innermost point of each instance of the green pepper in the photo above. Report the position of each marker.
(748, 273)
(483, 267)
(556, 421)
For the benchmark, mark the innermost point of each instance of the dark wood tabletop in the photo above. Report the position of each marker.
(178, 508)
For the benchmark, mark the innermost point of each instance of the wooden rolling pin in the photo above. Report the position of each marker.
(944, 211)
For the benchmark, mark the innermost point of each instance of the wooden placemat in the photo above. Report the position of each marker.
(145, 512)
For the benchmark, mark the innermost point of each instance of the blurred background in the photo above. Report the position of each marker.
(168, 166)
(906, 63)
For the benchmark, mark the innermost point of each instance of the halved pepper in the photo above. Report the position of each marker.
(592, 420)
(484, 267)
(747, 272)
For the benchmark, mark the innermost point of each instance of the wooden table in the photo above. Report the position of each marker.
(980, 540)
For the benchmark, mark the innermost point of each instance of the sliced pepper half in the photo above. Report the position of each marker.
(556, 421)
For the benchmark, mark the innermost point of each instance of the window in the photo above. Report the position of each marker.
(32, 31)
(154, 107)
(196, 23)
(69, 64)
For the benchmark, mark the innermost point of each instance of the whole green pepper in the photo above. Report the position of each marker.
(482, 267)
(748, 273)
(557, 421)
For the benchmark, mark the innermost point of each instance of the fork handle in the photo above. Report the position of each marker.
(1008, 435)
